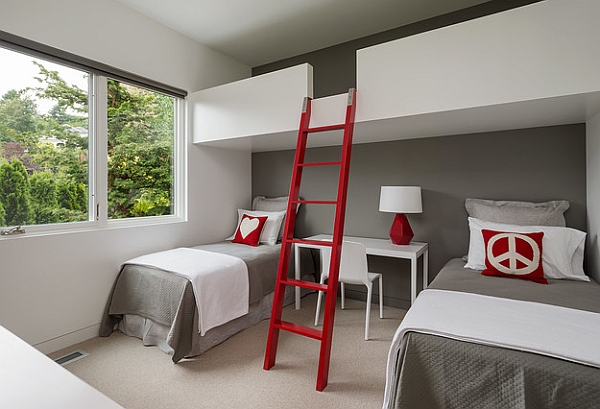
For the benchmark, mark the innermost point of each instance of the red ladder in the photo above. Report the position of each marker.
(330, 289)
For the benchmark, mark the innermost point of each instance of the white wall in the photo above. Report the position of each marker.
(593, 196)
(53, 288)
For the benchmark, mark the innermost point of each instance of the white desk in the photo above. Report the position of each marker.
(29, 379)
(376, 247)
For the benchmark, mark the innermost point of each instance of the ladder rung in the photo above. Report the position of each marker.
(311, 285)
(320, 164)
(320, 202)
(323, 243)
(326, 128)
(299, 329)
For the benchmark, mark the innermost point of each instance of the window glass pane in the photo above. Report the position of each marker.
(140, 151)
(43, 141)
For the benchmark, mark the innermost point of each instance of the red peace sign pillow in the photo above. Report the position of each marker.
(515, 255)
(249, 229)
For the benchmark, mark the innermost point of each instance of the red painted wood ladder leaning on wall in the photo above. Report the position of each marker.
(330, 289)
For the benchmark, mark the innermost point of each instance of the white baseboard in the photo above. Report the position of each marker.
(67, 340)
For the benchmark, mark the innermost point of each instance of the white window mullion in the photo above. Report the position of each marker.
(101, 150)
(180, 159)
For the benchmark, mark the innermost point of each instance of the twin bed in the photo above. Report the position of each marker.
(487, 341)
(160, 307)
(169, 299)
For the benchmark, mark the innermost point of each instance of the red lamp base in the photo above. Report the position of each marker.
(400, 232)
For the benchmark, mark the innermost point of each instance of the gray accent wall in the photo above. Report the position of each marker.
(536, 165)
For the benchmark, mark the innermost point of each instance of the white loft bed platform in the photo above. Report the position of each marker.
(532, 66)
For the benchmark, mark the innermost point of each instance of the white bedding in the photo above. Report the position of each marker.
(520, 325)
(220, 282)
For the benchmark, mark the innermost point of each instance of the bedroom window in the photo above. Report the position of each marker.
(44, 135)
(85, 144)
(140, 146)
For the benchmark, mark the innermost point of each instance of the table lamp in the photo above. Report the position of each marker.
(400, 200)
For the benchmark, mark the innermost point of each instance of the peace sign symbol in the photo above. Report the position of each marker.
(512, 255)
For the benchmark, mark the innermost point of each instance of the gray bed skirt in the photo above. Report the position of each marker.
(156, 334)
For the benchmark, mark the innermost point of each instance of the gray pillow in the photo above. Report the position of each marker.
(270, 204)
(519, 213)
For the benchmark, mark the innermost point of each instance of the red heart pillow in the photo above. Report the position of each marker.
(249, 229)
(515, 255)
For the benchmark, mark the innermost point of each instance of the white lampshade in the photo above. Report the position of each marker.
(400, 199)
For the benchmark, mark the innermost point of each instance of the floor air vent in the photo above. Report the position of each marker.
(73, 356)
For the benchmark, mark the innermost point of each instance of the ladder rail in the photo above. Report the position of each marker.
(282, 280)
(286, 245)
(338, 237)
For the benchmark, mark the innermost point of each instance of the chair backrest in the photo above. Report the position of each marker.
(325, 259)
(353, 264)
(353, 267)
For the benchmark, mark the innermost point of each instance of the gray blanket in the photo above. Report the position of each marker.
(438, 372)
(168, 299)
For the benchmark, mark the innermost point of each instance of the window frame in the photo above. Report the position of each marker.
(98, 139)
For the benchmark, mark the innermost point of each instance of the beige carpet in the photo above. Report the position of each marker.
(231, 375)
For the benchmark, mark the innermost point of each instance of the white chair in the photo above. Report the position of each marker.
(353, 270)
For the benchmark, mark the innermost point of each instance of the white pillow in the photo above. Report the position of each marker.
(270, 232)
(562, 248)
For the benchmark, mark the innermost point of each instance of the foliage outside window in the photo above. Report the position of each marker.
(43, 144)
(45, 136)
(140, 151)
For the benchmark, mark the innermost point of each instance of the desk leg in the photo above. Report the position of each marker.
(297, 274)
(413, 279)
(425, 269)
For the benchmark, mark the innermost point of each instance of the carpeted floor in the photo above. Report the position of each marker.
(231, 375)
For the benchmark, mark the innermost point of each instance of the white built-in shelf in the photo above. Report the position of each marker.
(531, 66)
(29, 379)
(266, 104)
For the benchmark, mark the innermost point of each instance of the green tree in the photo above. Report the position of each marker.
(57, 89)
(14, 193)
(43, 198)
(2, 215)
(59, 114)
(140, 174)
(72, 195)
(18, 115)
(55, 171)
(140, 149)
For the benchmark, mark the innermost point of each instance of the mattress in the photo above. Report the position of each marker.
(439, 372)
(159, 307)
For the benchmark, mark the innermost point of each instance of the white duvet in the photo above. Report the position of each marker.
(550, 330)
(220, 282)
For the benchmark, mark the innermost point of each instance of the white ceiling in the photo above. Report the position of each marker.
(257, 32)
